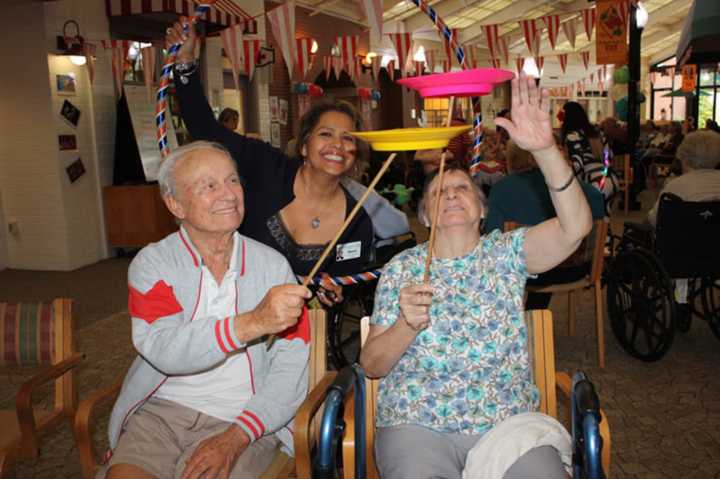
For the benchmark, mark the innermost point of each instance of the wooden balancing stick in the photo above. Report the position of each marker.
(436, 212)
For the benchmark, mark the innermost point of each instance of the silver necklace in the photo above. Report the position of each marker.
(315, 223)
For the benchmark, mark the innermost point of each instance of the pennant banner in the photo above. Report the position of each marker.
(348, 50)
(563, 61)
(496, 63)
(531, 34)
(232, 42)
(374, 13)
(552, 22)
(491, 35)
(303, 60)
(251, 50)
(520, 64)
(120, 50)
(402, 43)
(282, 22)
(504, 52)
(585, 58)
(539, 62)
(327, 66)
(419, 68)
(588, 16)
(430, 58)
(569, 30)
(470, 55)
(337, 63)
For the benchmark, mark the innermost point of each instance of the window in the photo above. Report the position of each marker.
(678, 107)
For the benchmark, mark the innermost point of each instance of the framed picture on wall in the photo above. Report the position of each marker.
(75, 170)
(67, 142)
(283, 111)
(70, 112)
(275, 134)
(65, 83)
(274, 109)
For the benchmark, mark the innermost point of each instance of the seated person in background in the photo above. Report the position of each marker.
(699, 155)
(229, 118)
(453, 354)
(492, 166)
(523, 197)
(206, 397)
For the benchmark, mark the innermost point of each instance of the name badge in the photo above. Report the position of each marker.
(348, 251)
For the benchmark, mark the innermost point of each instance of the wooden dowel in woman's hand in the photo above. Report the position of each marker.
(433, 227)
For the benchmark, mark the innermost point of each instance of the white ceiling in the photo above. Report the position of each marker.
(659, 38)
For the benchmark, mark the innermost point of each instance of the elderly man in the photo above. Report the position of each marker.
(206, 397)
(699, 155)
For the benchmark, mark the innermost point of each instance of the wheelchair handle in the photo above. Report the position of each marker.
(586, 399)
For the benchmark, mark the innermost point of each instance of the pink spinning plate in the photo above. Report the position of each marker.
(474, 82)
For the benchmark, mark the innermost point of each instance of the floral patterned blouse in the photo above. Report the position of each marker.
(470, 369)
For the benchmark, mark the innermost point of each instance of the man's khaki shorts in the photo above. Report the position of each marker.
(162, 436)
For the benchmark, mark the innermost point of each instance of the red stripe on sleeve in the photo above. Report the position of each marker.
(250, 426)
(257, 421)
(218, 337)
(228, 336)
(158, 302)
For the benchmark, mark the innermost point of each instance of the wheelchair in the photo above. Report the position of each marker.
(585, 418)
(343, 338)
(655, 279)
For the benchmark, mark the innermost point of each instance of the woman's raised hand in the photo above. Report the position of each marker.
(187, 38)
(415, 303)
(531, 125)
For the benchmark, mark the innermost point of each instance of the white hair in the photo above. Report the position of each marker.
(424, 215)
(166, 173)
(700, 149)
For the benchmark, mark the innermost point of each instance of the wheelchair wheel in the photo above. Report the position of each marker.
(711, 304)
(640, 304)
(344, 327)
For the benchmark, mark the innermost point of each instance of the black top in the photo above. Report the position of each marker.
(269, 177)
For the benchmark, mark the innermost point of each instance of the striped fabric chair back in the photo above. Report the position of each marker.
(27, 334)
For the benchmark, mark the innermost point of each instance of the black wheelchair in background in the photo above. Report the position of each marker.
(343, 336)
(656, 278)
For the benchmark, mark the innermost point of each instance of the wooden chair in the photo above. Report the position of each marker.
(37, 339)
(540, 341)
(591, 250)
(282, 465)
(623, 168)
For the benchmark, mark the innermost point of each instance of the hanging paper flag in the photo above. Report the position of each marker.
(592, 78)
(503, 47)
(470, 55)
(390, 68)
(552, 22)
(496, 63)
(563, 61)
(327, 66)
(449, 50)
(89, 52)
(148, 63)
(374, 14)
(120, 50)
(303, 49)
(601, 86)
(603, 69)
(430, 58)
(585, 58)
(588, 16)
(520, 64)
(375, 64)
(491, 35)
(337, 63)
(251, 49)
(402, 43)
(539, 62)
(282, 22)
(232, 42)
(582, 87)
(531, 34)
(419, 68)
(348, 50)
(569, 29)
(446, 66)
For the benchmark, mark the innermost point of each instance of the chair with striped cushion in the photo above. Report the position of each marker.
(36, 342)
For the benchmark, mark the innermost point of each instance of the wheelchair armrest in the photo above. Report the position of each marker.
(303, 424)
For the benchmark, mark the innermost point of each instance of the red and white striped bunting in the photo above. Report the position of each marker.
(519, 64)
(303, 60)
(232, 42)
(402, 43)
(337, 63)
(491, 36)
(532, 35)
(348, 50)
(327, 66)
(504, 52)
(539, 63)
(588, 16)
(430, 57)
(120, 50)
(552, 22)
(470, 58)
(251, 50)
(562, 58)
(282, 22)
(570, 33)
(419, 67)
(585, 58)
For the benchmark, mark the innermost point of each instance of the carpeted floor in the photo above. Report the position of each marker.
(664, 416)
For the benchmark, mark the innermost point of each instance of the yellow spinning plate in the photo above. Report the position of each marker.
(407, 139)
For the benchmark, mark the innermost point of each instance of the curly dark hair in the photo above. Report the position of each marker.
(309, 121)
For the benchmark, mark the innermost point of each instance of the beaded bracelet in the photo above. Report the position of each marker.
(563, 187)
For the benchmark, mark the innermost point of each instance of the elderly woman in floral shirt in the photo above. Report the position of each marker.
(452, 354)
